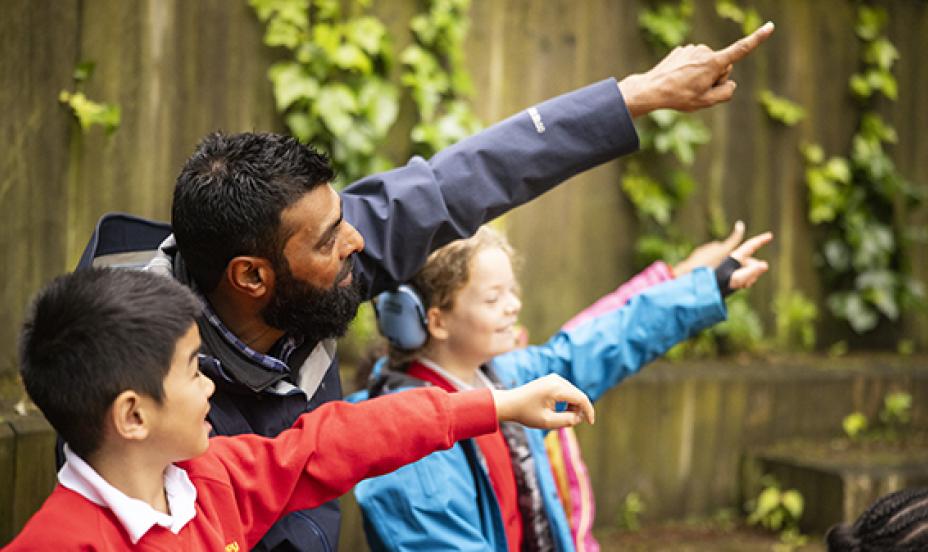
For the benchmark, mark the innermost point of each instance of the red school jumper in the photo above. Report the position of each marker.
(246, 483)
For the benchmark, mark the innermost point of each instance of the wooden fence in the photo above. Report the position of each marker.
(182, 69)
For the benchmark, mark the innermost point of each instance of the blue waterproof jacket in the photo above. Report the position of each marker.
(403, 215)
(446, 502)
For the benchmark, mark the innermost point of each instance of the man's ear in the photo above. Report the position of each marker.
(131, 415)
(437, 326)
(251, 276)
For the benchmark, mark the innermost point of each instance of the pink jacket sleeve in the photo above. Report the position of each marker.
(654, 274)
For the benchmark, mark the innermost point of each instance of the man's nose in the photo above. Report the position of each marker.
(354, 241)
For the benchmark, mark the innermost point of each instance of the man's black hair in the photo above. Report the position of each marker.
(897, 521)
(230, 195)
(95, 333)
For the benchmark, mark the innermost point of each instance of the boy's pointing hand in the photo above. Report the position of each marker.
(535, 404)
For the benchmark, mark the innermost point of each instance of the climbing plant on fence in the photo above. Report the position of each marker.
(855, 199)
(88, 112)
(434, 72)
(335, 89)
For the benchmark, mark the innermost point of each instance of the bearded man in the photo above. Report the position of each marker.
(282, 261)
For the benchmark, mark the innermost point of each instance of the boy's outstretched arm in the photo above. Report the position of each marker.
(334, 447)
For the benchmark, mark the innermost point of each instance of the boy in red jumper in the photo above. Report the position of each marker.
(110, 357)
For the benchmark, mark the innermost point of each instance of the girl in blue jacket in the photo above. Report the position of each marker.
(455, 328)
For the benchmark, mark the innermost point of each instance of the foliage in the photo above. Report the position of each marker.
(630, 511)
(434, 72)
(897, 410)
(667, 25)
(778, 510)
(893, 420)
(334, 89)
(781, 109)
(854, 424)
(88, 112)
(854, 198)
(795, 321)
(749, 19)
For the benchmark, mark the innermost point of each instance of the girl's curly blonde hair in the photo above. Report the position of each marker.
(446, 271)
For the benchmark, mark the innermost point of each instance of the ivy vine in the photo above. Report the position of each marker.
(335, 91)
(854, 198)
(88, 112)
(434, 72)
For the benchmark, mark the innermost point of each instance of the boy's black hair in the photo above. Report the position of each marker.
(230, 194)
(95, 333)
(897, 522)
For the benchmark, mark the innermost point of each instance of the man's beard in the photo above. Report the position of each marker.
(304, 310)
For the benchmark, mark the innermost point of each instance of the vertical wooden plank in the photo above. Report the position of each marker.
(38, 40)
(7, 471)
(352, 530)
(34, 466)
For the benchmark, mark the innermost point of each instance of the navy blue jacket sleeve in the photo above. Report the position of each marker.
(407, 213)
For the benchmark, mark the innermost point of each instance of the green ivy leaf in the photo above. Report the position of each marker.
(328, 38)
(781, 109)
(752, 22)
(838, 169)
(873, 126)
(813, 153)
(792, 501)
(378, 100)
(84, 71)
(682, 185)
(682, 138)
(854, 424)
(282, 33)
(328, 10)
(295, 12)
(852, 307)
(767, 502)
(884, 81)
(368, 33)
(728, 9)
(352, 58)
(291, 84)
(335, 105)
(667, 25)
(860, 86)
(870, 22)
(837, 255)
(881, 53)
(648, 196)
(91, 113)
(302, 126)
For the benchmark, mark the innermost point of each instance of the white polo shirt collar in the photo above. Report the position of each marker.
(136, 516)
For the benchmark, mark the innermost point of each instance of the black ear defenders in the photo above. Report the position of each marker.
(401, 318)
